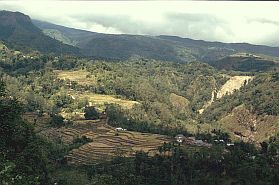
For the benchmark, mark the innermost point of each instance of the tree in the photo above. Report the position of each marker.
(57, 120)
(91, 113)
(22, 153)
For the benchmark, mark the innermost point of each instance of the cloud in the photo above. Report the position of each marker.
(197, 25)
(264, 21)
(253, 22)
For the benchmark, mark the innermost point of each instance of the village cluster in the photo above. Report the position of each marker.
(180, 138)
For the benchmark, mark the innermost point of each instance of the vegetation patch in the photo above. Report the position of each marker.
(100, 100)
(82, 77)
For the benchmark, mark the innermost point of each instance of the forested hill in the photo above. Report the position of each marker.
(171, 48)
(273, 51)
(18, 32)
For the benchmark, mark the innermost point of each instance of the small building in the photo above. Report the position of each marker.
(190, 140)
(219, 141)
(230, 144)
(199, 142)
(180, 138)
(118, 129)
(202, 143)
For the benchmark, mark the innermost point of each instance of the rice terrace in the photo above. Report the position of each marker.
(106, 141)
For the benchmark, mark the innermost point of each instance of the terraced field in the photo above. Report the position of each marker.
(82, 77)
(100, 100)
(107, 143)
(40, 122)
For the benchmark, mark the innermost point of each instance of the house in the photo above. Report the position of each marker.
(180, 138)
(230, 144)
(118, 129)
(202, 143)
(219, 140)
(190, 140)
(199, 142)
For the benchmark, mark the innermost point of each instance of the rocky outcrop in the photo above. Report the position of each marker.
(233, 84)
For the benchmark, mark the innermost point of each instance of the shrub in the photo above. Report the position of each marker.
(91, 113)
(57, 120)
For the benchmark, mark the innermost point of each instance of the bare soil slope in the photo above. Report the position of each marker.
(233, 84)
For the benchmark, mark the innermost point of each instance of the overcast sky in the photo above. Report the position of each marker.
(253, 22)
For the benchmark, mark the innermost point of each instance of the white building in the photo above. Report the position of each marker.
(118, 129)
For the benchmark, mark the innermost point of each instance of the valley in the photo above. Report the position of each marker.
(89, 108)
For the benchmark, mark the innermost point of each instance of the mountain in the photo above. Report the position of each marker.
(64, 34)
(114, 46)
(123, 46)
(126, 46)
(18, 32)
(161, 47)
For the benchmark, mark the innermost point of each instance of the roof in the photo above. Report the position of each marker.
(179, 135)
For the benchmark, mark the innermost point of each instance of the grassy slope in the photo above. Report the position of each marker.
(253, 127)
(253, 110)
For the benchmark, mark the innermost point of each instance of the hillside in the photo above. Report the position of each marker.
(237, 47)
(111, 46)
(192, 96)
(171, 48)
(251, 112)
(246, 62)
(233, 84)
(106, 141)
(18, 32)
(64, 34)
(126, 46)
(243, 124)
(154, 100)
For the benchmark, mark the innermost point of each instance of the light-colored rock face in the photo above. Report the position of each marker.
(234, 83)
